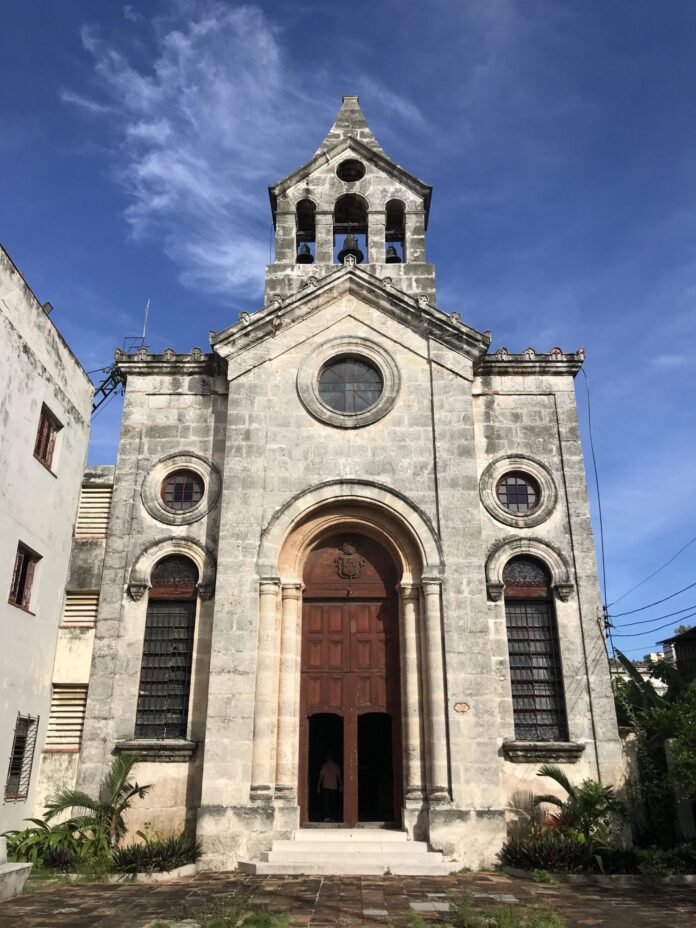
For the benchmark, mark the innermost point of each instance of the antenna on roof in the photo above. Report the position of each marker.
(147, 313)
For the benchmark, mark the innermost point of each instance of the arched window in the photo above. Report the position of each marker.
(165, 673)
(536, 675)
(305, 232)
(350, 228)
(395, 232)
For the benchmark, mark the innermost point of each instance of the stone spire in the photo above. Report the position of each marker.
(350, 122)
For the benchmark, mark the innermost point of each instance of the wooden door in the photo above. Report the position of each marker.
(350, 669)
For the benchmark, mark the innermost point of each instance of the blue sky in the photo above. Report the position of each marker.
(138, 141)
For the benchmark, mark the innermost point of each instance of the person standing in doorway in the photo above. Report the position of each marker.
(330, 786)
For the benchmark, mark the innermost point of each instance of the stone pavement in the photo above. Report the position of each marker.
(326, 902)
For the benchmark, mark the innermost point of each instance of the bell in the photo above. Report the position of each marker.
(393, 256)
(304, 255)
(350, 247)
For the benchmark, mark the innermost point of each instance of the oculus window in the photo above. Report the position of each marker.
(350, 385)
(518, 492)
(182, 490)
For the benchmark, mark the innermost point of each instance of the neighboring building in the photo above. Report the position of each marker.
(349, 530)
(45, 407)
(681, 651)
(644, 668)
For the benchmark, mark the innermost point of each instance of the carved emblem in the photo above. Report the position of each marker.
(349, 564)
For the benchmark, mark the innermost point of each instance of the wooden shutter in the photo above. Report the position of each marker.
(26, 596)
(66, 720)
(93, 510)
(80, 608)
(17, 575)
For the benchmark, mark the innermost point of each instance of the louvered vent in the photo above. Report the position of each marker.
(80, 608)
(93, 511)
(67, 718)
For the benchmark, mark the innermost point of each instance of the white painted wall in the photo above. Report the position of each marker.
(37, 507)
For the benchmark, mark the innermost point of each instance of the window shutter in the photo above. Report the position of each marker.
(80, 608)
(41, 436)
(93, 511)
(50, 444)
(66, 720)
(26, 596)
(17, 575)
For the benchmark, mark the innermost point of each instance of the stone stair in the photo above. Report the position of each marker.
(349, 851)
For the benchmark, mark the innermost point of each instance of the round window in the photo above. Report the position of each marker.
(518, 492)
(350, 385)
(350, 170)
(182, 490)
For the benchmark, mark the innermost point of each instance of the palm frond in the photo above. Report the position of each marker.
(556, 774)
(117, 776)
(70, 799)
(550, 798)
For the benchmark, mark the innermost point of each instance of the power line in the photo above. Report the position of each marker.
(656, 603)
(655, 572)
(599, 498)
(650, 631)
(656, 618)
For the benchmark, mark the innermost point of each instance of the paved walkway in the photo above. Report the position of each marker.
(327, 902)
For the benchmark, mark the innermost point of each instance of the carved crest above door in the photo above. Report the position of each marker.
(351, 566)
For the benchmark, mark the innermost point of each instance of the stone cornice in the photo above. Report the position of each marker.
(556, 362)
(369, 154)
(141, 362)
(381, 293)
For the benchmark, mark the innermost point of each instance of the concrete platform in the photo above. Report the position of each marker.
(349, 852)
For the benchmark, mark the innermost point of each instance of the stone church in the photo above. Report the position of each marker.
(348, 535)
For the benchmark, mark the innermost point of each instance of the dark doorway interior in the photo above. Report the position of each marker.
(375, 768)
(325, 738)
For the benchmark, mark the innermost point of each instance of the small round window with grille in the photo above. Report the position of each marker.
(182, 490)
(350, 385)
(350, 170)
(518, 492)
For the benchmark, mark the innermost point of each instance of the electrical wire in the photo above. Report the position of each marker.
(619, 632)
(596, 476)
(102, 408)
(649, 632)
(657, 602)
(655, 572)
(655, 618)
(97, 370)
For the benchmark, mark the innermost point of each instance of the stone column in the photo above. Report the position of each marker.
(438, 787)
(285, 244)
(415, 237)
(265, 694)
(324, 235)
(288, 691)
(410, 712)
(376, 226)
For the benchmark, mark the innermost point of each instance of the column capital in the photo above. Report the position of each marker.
(408, 591)
(291, 589)
(269, 585)
(431, 585)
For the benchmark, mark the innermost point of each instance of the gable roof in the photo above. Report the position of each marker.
(414, 312)
(350, 132)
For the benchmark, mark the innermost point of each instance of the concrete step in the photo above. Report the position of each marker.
(340, 868)
(372, 857)
(353, 847)
(351, 834)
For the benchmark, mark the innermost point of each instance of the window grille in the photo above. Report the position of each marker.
(67, 718)
(165, 675)
(535, 671)
(45, 443)
(80, 608)
(23, 576)
(93, 510)
(21, 758)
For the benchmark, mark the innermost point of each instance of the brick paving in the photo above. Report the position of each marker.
(337, 902)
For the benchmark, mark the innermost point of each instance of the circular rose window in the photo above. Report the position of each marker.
(350, 385)
(182, 490)
(518, 492)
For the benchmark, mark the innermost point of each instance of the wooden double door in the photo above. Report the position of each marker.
(350, 710)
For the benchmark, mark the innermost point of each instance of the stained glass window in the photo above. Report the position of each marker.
(350, 385)
(518, 492)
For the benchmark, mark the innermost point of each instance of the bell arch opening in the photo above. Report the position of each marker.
(350, 220)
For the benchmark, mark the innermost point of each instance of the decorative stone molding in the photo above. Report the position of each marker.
(151, 492)
(166, 751)
(310, 369)
(550, 752)
(556, 362)
(139, 579)
(561, 581)
(521, 463)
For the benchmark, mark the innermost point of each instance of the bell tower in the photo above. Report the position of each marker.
(350, 199)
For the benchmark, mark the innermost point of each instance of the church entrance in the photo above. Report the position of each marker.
(350, 735)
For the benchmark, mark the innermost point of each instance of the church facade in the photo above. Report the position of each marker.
(348, 531)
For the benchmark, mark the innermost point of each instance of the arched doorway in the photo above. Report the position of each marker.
(350, 685)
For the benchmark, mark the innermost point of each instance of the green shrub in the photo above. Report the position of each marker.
(156, 856)
(462, 914)
(554, 852)
(617, 860)
(58, 847)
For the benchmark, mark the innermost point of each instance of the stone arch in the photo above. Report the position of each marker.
(139, 578)
(561, 580)
(382, 513)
